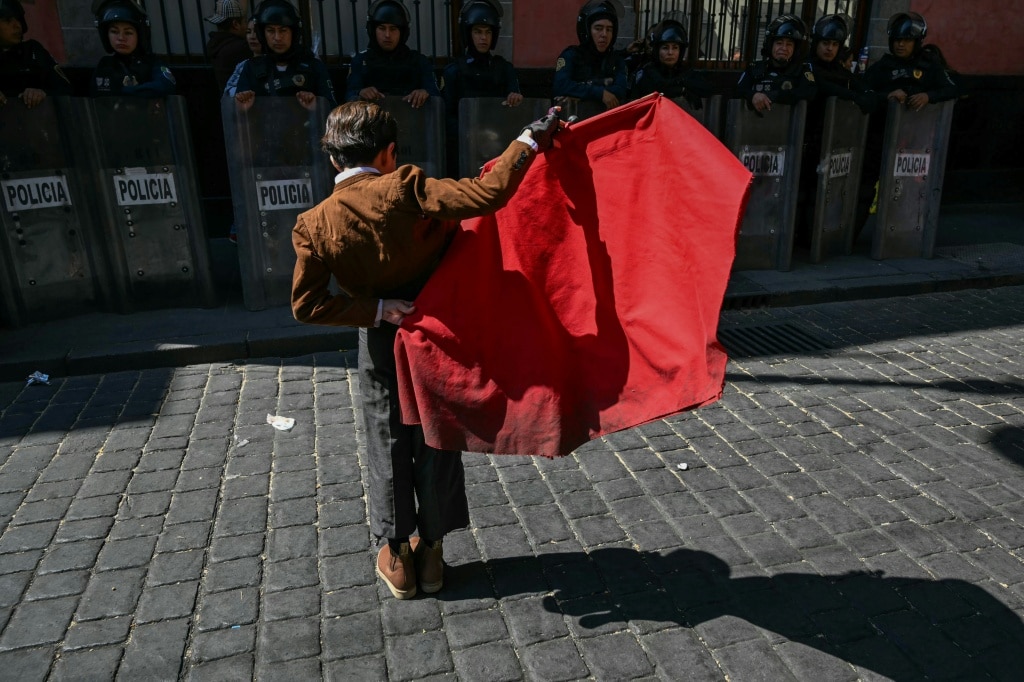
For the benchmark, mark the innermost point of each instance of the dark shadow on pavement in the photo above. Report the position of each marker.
(969, 386)
(1008, 441)
(901, 628)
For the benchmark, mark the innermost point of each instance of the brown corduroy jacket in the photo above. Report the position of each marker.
(376, 233)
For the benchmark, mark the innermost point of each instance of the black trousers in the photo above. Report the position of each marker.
(412, 485)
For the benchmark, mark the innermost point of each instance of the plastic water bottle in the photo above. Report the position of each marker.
(862, 61)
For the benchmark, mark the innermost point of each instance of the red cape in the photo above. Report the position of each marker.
(590, 303)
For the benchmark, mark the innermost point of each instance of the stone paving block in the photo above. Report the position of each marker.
(615, 656)
(833, 514)
(344, 539)
(231, 643)
(27, 537)
(472, 629)
(225, 609)
(545, 524)
(556, 660)
(27, 665)
(495, 662)
(498, 515)
(515, 577)
(20, 561)
(111, 593)
(289, 574)
(285, 671)
(95, 664)
(351, 636)
(125, 529)
(68, 556)
(347, 601)
(485, 494)
(334, 514)
(366, 668)
(46, 491)
(38, 622)
(144, 504)
(868, 543)
(289, 639)
(292, 484)
(291, 543)
(618, 489)
(180, 537)
(412, 657)
(97, 633)
(409, 617)
(723, 503)
(294, 603)
(119, 554)
(166, 602)
(346, 571)
(155, 651)
(503, 542)
(530, 622)
(653, 535)
(191, 480)
(12, 585)
(247, 515)
(591, 616)
(598, 530)
(634, 510)
(529, 493)
(54, 585)
(197, 505)
(43, 510)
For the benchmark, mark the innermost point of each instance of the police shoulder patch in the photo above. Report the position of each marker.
(918, 73)
(560, 64)
(809, 76)
(299, 79)
(787, 85)
(167, 74)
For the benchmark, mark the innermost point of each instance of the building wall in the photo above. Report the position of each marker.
(44, 26)
(977, 37)
(546, 27)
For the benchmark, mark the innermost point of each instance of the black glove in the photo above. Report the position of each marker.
(543, 129)
(695, 102)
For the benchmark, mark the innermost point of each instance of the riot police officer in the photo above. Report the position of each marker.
(593, 71)
(781, 77)
(478, 72)
(27, 71)
(129, 69)
(909, 74)
(666, 72)
(389, 66)
(286, 68)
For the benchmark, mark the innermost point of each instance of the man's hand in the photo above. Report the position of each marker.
(514, 99)
(32, 96)
(543, 129)
(395, 310)
(761, 102)
(370, 94)
(609, 99)
(898, 96)
(3, 100)
(417, 98)
(918, 102)
(306, 99)
(245, 99)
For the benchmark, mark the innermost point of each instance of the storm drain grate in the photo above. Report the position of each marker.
(770, 339)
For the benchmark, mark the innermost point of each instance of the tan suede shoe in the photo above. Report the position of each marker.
(429, 564)
(397, 572)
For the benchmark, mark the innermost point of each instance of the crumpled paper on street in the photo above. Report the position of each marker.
(37, 378)
(280, 423)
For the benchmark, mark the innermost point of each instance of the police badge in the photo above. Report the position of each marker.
(787, 85)
(560, 64)
(299, 80)
(918, 73)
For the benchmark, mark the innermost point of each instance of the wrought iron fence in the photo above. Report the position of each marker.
(728, 32)
(335, 29)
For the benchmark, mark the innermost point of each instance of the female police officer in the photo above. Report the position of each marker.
(129, 69)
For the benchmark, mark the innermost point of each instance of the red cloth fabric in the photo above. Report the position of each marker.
(590, 303)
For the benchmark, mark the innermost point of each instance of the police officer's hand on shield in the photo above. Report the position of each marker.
(417, 98)
(514, 99)
(245, 100)
(32, 96)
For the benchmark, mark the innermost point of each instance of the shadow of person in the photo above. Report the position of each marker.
(1008, 441)
(901, 628)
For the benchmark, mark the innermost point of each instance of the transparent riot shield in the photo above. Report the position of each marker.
(50, 266)
(486, 128)
(579, 108)
(709, 115)
(910, 182)
(843, 138)
(421, 140)
(277, 171)
(769, 146)
(146, 184)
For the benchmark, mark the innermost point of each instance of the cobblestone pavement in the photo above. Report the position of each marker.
(854, 512)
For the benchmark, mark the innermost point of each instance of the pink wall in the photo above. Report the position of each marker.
(543, 28)
(44, 26)
(976, 37)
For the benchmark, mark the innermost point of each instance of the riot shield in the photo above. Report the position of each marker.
(421, 140)
(486, 128)
(579, 108)
(709, 115)
(843, 137)
(277, 171)
(910, 182)
(50, 264)
(147, 188)
(769, 146)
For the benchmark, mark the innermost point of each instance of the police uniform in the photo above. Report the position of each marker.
(782, 85)
(919, 74)
(398, 73)
(264, 76)
(672, 82)
(29, 65)
(141, 75)
(584, 73)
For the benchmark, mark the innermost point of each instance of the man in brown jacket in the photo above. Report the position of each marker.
(381, 234)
